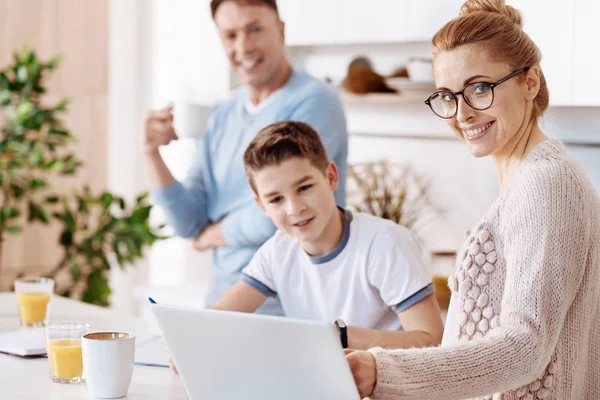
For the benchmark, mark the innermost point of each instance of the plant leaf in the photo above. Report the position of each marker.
(59, 132)
(37, 212)
(52, 199)
(13, 229)
(142, 197)
(66, 238)
(9, 212)
(106, 199)
(37, 183)
(97, 290)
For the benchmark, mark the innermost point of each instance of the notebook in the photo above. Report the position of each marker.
(151, 350)
(24, 342)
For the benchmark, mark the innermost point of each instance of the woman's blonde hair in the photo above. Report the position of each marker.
(498, 28)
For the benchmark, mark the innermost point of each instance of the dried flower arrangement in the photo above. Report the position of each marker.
(391, 191)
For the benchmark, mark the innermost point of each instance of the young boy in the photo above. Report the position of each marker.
(329, 264)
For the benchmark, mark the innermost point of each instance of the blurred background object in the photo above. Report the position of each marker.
(420, 69)
(393, 191)
(399, 72)
(442, 291)
(362, 79)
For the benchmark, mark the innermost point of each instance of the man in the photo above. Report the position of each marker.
(214, 205)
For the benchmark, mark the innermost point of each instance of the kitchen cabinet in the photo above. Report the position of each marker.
(550, 25)
(586, 53)
(568, 34)
(373, 21)
(323, 22)
(310, 22)
(426, 17)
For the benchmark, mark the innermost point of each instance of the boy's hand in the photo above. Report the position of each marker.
(364, 370)
(172, 364)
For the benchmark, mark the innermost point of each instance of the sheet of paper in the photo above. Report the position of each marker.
(151, 350)
(24, 342)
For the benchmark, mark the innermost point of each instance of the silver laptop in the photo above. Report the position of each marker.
(234, 356)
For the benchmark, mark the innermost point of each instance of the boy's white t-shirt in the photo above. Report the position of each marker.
(376, 272)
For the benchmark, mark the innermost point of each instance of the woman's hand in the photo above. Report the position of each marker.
(364, 370)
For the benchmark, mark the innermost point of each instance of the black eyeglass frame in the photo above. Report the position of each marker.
(492, 85)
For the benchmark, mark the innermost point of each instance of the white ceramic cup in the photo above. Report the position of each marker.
(190, 119)
(108, 363)
(420, 70)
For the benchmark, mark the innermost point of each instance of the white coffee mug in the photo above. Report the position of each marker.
(108, 363)
(190, 119)
(420, 69)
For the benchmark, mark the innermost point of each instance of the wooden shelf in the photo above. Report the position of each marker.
(382, 98)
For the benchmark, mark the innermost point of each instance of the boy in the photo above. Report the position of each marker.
(329, 264)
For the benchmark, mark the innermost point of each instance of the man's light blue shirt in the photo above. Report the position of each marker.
(216, 187)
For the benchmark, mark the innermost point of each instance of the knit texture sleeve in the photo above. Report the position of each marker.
(543, 239)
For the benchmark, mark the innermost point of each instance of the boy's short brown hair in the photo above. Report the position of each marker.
(282, 141)
(215, 4)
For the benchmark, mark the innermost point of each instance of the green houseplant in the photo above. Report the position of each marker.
(35, 149)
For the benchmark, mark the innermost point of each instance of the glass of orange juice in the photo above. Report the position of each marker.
(63, 344)
(33, 296)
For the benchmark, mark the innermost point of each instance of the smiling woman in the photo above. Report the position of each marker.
(520, 325)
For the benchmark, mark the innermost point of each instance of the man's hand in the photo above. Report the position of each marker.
(171, 363)
(158, 130)
(364, 370)
(210, 237)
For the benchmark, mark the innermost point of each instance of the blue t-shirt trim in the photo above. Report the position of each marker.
(414, 299)
(340, 247)
(258, 285)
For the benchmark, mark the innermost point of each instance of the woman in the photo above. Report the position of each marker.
(524, 320)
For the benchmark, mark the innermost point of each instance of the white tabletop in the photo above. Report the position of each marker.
(27, 378)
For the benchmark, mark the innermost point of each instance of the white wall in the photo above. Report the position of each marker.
(187, 57)
(128, 101)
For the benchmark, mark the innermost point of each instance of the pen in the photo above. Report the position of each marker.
(147, 364)
(152, 300)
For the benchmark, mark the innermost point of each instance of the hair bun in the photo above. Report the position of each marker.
(492, 6)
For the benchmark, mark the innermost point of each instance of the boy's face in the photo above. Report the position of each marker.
(298, 197)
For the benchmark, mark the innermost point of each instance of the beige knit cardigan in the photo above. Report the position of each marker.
(528, 285)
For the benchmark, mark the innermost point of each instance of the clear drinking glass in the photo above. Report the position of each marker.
(33, 296)
(63, 344)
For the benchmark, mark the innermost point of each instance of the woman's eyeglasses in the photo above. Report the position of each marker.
(478, 95)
